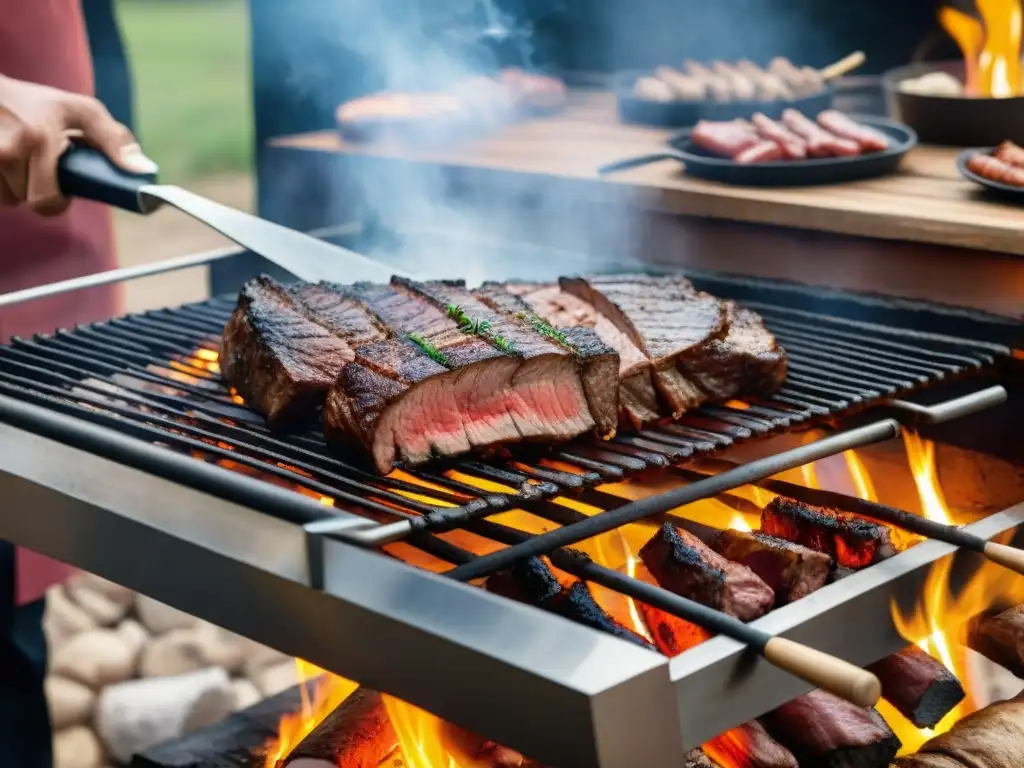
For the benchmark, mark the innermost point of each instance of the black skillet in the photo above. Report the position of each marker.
(781, 173)
(1007, 192)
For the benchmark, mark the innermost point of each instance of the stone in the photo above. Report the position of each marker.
(107, 603)
(187, 650)
(135, 637)
(70, 702)
(246, 694)
(95, 658)
(159, 618)
(136, 715)
(77, 747)
(277, 678)
(63, 618)
(258, 657)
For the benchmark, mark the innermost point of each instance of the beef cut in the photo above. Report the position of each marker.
(999, 637)
(791, 570)
(684, 564)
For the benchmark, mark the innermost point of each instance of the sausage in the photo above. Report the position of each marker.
(793, 147)
(868, 139)
(820, 143)
(770, 87)
(717, 87)
(763, 152)
(683, 86)
(742, 87)
(653, 89)
(725, 139)
(804, 81)
(994, 169)
(1010, 153)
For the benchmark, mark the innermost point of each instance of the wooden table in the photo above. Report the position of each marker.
(931, 233)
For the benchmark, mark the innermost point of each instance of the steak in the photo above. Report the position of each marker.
(281, 362)
(851, 541)
(599, 363)
(684, 564)
(665, 318)
(791, 570)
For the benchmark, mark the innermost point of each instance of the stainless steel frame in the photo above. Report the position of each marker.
(561, 693)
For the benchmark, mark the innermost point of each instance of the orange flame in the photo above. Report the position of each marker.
(991, 48)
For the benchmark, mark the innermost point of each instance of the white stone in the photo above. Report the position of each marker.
(159, 618)
(135, 637)
(63, 619)
(187, 650)
(71, 703)
(134, 716)
(278, 678)
(104, 609)
(95, 658)
(258, 657)
(77, 747)
(246, 694)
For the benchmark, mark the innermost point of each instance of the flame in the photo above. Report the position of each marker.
(991, 48)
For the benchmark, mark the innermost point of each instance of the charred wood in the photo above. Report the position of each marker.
(749, 746)
(921, 688)
(358, 734)
(999, 637)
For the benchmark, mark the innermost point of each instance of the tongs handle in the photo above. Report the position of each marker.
(88, 174)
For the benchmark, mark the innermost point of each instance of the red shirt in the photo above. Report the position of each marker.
(44, 41)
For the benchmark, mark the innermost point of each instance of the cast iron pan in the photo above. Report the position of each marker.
(782, 173)
(1007, 192)
(678, 114)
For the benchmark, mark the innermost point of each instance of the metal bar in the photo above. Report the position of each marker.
(951, 409)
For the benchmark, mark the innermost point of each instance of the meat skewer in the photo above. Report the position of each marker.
(741, 86)
(994, 169)
(999, 637)
(921, 688)
(820, 143)
(683, 86)
(792, 145)
(770, 87)
(992, 737)
(838, 124)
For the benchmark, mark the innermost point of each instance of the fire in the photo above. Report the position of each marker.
(991, 48)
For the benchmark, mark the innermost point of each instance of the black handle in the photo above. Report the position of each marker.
(636, 162)
(88, 174)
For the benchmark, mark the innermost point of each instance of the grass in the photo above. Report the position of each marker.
(190, 62)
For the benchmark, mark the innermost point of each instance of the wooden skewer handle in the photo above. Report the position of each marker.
(843, 66)
(1008, 557)
(845, 680)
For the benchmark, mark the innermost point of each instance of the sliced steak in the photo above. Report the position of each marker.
(276, 358)
(852, 541)
(684, 564)
(599, 363)
(638, 400)
(341, 313)
(791, 570)
(669, 321)
(748, 361)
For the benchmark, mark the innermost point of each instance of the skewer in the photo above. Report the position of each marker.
(844, 66)
(1008, 557)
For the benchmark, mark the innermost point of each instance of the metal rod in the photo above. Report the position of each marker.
(956, 408)
(654, 505)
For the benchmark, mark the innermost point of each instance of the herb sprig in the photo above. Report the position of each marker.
(478, 327)
(543, 327)
(430, 350)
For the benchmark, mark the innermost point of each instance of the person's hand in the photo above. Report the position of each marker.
(37, 124)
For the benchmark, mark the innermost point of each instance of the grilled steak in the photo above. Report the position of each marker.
(278, 360)
(999, 637)
(684, 564)
(852, 541)
(599, 363)
(791, 570)
(825, 731)
(666, 318)
(532, 582)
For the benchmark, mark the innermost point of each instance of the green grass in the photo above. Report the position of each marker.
(190, 62)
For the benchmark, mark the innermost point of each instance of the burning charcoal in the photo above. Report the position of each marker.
(825, 731)
(697, 759)
(920, 687)
(999, 637)
(358, 734)
(791, 570)
(684, 564)
(992, 737)
(853, 541)
(671, 634)
(532, 582)
(750, 746)
(468, 748)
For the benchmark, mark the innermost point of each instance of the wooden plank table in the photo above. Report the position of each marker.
(931, 233)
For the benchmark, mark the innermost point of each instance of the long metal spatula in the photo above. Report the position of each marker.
(86, 173)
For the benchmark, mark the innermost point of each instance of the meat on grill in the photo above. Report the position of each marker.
(671, 634)
(278, 359)
(685, 565)
(357, 734)
(999, 637)
(852, 541)
(532, 582)
(599, 363)
(825, 731)
(749, 746)
(921, 688)
(992, 737)
(791, 570)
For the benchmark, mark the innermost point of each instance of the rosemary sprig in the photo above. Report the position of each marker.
(477, 327)
(430, 350)
(543, 327)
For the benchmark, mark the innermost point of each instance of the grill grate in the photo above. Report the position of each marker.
(151, 376)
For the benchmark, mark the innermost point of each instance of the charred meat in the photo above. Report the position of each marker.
(791, 570)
